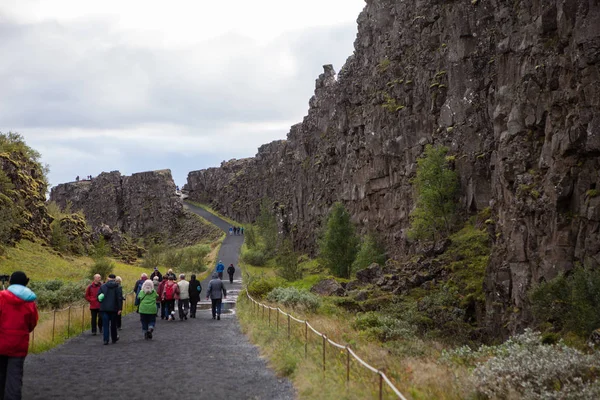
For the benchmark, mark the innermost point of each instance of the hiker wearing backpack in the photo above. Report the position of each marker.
(170, 294)
(148, 298)
(195, 290)
(183, 303)
(215, 289)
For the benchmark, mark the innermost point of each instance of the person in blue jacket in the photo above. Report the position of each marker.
(220, 269)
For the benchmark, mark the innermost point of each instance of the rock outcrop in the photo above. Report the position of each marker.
(22, 196)
(512, 88)
(143, 205)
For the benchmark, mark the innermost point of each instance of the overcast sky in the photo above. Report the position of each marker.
(138, 85)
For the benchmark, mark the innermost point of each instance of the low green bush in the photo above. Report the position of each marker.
(255, 257)
(56, 294)
(292, 297)
(261, 286)
(384, 327)
(102, 266)
(525, 368)
(569, 303)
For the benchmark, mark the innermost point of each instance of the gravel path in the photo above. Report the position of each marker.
(197, 359)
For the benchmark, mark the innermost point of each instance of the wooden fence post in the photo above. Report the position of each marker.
(69, 324)
(53, 324)
(306, 339)
(324, 342)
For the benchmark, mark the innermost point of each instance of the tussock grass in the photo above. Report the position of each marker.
(416, 377)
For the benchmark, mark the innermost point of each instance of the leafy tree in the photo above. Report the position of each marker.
(250, 237)
(287, 262)
(337, 248)
(370, 252)
(436, 186)
(267, 226)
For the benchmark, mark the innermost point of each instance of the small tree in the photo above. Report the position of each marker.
(250, 237)
(267, 226)
(338, 246)
(436, 187)
(370, 252)
(287, 262)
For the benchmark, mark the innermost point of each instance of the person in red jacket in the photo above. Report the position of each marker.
(91, 295)
(18, 317)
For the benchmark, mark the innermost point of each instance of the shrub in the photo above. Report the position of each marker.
(287, 262)
(262, 286)
(55, 294)
(152, 257)
(370, 252)
(292, 297)
(337, 248)
(523, 367)
(193, 259)
(254, 257)
(384, 327)
(569, 303)
(250, 237)
(102, 266)
(436, 187)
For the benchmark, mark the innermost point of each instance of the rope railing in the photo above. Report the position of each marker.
(383, 378)
(55, 326)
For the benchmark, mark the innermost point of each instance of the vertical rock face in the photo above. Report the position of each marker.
(142, 205)
(512, 88)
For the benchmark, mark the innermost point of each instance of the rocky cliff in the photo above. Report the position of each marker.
(511, 88)
(143, 205)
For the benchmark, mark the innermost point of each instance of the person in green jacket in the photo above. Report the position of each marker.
(147, 299)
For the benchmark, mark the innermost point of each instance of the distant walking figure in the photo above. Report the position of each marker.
(231, 271)
(195, 289)
(230, 230)
(91, 295)
(18, 317)
(110, 297)
(216, 292)
(183, 304)
(148, 298)
(220, 269)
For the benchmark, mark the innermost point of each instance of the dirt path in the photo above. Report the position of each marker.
(196, 359)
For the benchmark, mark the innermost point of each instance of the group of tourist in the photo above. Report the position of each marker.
(236, 230)
(154, 295)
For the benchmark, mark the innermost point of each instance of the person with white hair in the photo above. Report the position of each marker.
(183, 304)
(147, 297)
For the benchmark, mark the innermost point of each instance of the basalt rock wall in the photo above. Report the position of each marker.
(511, 88)
(143, 205)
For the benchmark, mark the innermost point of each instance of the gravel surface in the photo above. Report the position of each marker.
(198, 358)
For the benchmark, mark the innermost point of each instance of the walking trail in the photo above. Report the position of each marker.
(199, 358)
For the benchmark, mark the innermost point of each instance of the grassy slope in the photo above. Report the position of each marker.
(42, 263)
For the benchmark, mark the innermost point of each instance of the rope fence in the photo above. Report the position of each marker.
(58, 325)
(259, 310)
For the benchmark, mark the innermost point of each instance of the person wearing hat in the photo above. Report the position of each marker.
(18, 317)
(110, 297)
(156, 273)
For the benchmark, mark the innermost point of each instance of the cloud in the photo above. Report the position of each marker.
(183, 85)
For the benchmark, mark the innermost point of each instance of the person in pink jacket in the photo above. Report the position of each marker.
(18, 317)
(91, 295)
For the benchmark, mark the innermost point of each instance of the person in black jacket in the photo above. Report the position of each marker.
(110, 297)
(231, 271)
(195, 289)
